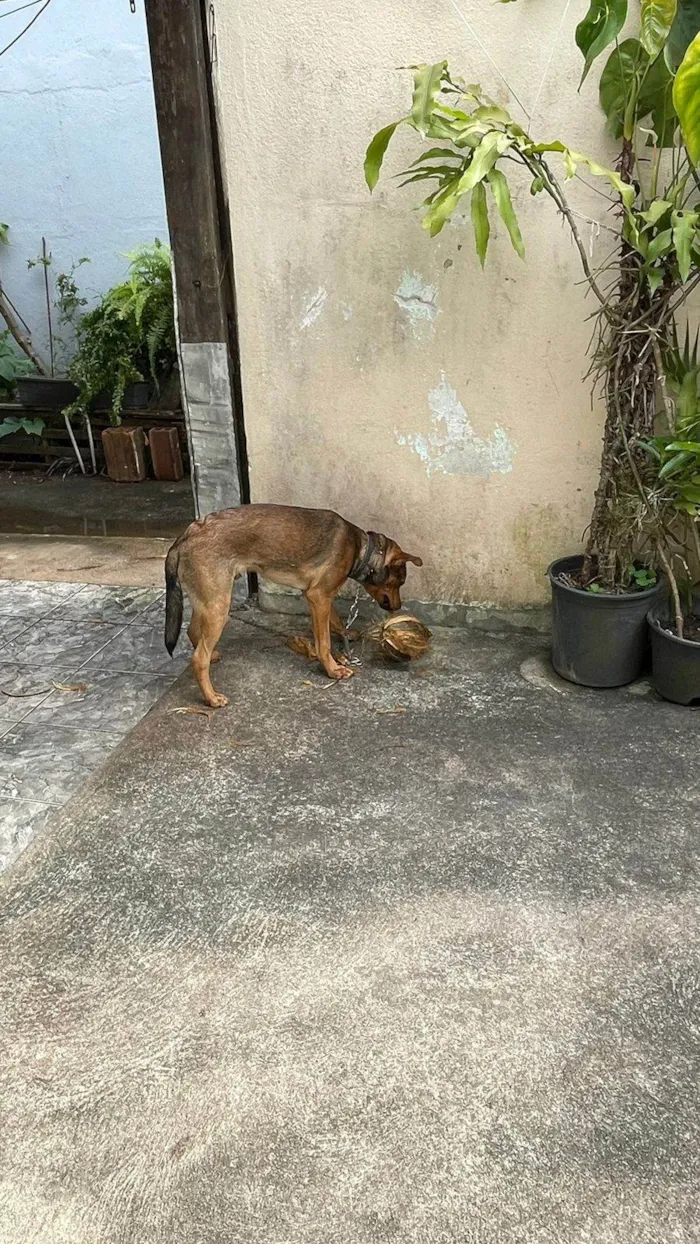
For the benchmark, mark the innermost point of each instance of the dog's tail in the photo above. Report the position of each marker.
(173, 600)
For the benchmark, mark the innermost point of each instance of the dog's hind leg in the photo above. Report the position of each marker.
(210, 621)
(194, 631)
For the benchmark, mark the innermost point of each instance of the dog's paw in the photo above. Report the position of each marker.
(339, 671)
(218, 701)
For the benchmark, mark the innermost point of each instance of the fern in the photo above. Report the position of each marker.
(130, 334)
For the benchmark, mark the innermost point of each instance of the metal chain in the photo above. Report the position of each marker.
(352, 615)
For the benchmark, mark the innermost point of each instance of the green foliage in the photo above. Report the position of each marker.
(129, 335)
(12, 365)
(481, 134)
(633, 86)
(17, 423)
(686, 99)
(656, 20)
(686, 25)
(599, 28)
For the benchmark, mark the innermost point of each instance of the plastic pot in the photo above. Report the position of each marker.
(45, 392)
(675, 662)
(137, 395)
(599, 640)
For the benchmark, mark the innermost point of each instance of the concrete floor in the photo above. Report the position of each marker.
(415, 958)
(79, 665)
(32, 503)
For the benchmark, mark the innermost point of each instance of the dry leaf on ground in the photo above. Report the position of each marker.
(194, 710)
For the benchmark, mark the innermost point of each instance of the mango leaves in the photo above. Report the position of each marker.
(427, 84)
(473, 134)
(599, 28)
(686, 99)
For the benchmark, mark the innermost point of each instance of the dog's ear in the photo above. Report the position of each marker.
(409, 557)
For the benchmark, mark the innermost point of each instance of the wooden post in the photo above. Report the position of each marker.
(202, 262)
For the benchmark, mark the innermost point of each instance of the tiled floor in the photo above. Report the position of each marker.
(107, 642)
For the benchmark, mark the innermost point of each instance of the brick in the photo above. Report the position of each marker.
(166, 458)
(125, 454)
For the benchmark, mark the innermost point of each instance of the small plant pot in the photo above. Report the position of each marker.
(599, 640)
(45, 392)
(675, 662)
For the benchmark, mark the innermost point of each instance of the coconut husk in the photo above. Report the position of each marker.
(303, 646)
(401, 637)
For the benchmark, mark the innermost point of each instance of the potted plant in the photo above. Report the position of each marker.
(648, 90)
(126, 344)
(675, 457)
(49, 388)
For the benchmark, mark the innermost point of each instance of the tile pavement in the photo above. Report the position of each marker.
(107, 642)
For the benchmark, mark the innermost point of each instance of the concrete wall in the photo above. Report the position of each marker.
(384, 374)
(79, 144)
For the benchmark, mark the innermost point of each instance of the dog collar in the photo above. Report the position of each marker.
(371, 559)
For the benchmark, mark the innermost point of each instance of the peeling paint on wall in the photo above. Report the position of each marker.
(418, 300)
(313, 306)
(453, 448)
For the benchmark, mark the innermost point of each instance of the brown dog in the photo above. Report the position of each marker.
(315, 550)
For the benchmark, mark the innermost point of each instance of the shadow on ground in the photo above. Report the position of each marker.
(414, 958)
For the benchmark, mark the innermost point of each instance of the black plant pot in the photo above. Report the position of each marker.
(675, 662)
(599, 640)
(45, 392)
(136, 397)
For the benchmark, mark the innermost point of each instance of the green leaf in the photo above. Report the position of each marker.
(656, 100)
(689, 447)
(439, 170)
(442, 208)
(659, 245)
(674, 464)
(686, 25)
(8, 427)
(690, 493)
(4, 234)
(655, 277)
(686, 99)
(501, 193)
(656, 19)
(33, 427)
(601, 25)
(491, 147)
(427, 81)
(480, 221)
(620, 82)
(685, 231)
(436, 153)
(657, 208)
(376, 152)
(594, 587)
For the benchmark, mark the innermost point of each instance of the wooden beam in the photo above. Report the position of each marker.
(202, 262)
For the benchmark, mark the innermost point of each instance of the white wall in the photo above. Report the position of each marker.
(80, 157)
(351, 384)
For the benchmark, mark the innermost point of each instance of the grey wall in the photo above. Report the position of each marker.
(80, 159)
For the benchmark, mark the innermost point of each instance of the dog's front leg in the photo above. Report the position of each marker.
(321, 606)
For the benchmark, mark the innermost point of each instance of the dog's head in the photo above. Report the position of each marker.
(385, 582)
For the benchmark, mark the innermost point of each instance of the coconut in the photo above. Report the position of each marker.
(401, 637)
